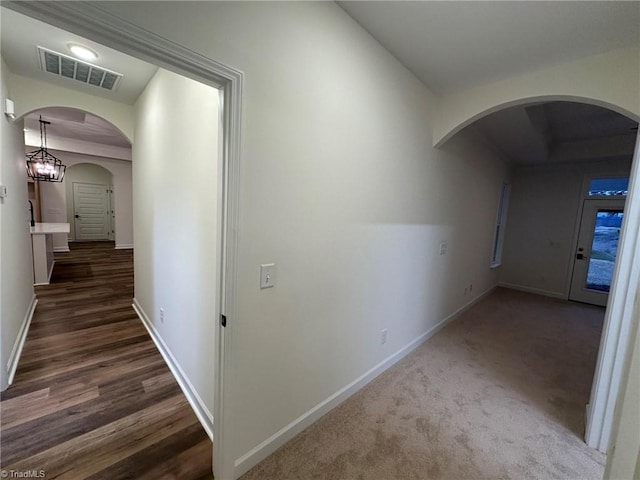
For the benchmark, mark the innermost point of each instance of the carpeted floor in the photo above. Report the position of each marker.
(498, 394)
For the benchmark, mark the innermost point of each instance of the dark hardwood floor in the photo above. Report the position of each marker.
(92, 397)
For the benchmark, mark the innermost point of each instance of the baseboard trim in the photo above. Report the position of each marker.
(282, 436)
(14, 358)
(536, 291)
(198, 406)
(124, 246)
(61, 249)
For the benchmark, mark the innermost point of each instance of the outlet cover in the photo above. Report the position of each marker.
(267, 275)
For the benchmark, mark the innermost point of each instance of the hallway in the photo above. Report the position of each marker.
(92, 397)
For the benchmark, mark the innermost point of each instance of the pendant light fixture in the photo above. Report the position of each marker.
(41, 165)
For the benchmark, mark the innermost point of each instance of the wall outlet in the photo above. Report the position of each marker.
(161, 315)
(443, 248)
(383, 336)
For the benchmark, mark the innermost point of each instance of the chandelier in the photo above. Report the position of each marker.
(41, 165)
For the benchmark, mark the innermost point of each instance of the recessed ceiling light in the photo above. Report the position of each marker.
(83, 52)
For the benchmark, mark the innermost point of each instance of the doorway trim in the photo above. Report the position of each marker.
(618, 321)
(90, 21)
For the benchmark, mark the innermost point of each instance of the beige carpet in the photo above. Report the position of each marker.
(498, 394)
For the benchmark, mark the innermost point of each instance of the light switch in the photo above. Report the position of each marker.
(267, 275)
(443, 248)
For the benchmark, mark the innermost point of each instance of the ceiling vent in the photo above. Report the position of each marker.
(69, 67)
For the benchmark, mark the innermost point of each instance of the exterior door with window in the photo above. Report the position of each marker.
(596, 251)
(91, 211)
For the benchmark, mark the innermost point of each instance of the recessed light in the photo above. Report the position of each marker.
(83, 52)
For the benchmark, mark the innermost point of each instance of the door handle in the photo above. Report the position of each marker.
(580, 256)
(77, 216)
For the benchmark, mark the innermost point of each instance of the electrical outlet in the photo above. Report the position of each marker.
(443, 248)
(161, 315)
(383, 336)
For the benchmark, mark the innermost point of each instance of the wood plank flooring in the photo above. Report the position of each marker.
(92, 397)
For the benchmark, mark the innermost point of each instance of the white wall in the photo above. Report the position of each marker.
(53, 197)
(175, 171)
(16, 271)
(82, 173)
(342, 189)
(545, 204)
(623, 460)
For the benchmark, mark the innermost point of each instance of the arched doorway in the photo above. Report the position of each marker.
(561, 150)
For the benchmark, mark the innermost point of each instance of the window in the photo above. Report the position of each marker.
(501, 221)
(609, 187)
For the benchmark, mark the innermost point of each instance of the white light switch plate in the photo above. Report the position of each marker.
(267, 275)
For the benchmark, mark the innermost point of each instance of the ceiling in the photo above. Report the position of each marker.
(21, 35)
(451, 46)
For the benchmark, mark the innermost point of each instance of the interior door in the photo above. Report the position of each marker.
(596, 251)
(91, 211)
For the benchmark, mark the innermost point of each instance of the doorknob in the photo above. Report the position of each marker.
(77, 216)
(579, 256)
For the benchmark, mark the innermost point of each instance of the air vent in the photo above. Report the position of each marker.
(69, 67)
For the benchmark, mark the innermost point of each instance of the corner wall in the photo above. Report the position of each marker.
(17, 298)
(175, 170)
(544, 210)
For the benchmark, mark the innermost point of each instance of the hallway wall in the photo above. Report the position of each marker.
(16, 268)
(176, 193)
(343, 191)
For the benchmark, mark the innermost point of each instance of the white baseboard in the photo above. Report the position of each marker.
(536, 291)
(124, 246)
(61, 249)
(198, 406)
(14, 358)
(282, 436)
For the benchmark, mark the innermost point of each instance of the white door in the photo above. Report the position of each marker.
(91, 211)
(596, 252)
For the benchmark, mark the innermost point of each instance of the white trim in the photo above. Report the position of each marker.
(124, 246)
(536, 291)
(282, 436)
(53, 263)
(61, 249)
(14, 358)
(618, 320)
(198, 406)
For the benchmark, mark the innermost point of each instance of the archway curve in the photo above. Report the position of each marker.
(529, 101)
(88, 161)
(117, 128)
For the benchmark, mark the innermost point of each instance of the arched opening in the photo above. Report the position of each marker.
(572, 226)
(96, 152)
(460, 118)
